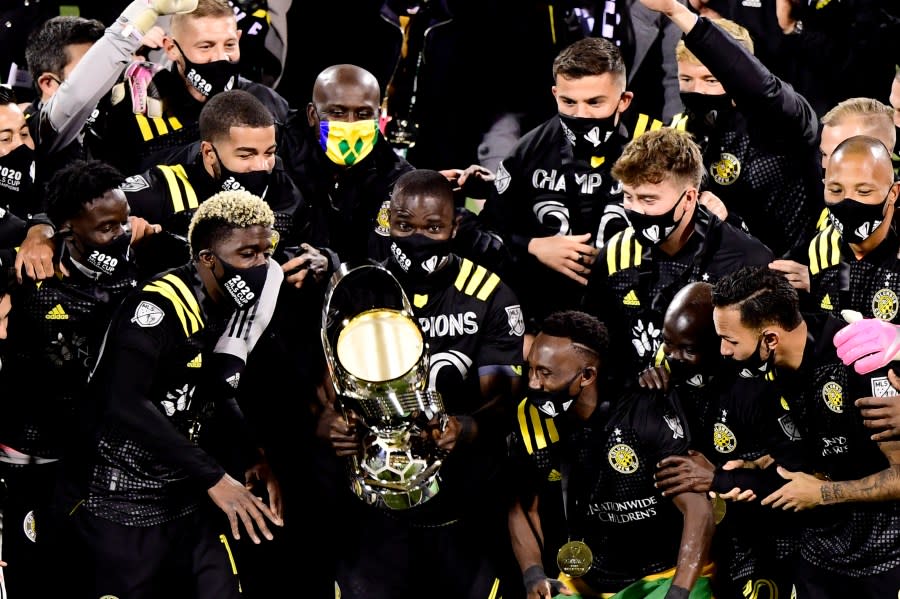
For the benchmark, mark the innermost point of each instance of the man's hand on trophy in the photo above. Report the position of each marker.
(452, 429)
(240, 504)
(343, 435)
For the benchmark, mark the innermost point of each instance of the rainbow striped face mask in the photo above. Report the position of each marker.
(345, 143)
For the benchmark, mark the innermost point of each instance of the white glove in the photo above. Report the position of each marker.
(142, 14)
(867, 343)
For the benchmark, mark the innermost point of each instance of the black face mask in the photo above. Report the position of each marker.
(688, 374)
(706, 109)
(755, 366)
(110, 259)
(242, 286)
(553, 403)
(653, 230)
(255, 182)
(854, 220)
(210, 78)
(17, 179)
(587, 135)
(419, 255)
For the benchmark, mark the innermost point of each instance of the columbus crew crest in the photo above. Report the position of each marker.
(383, 220)
(623, 459)
(884, 304)
(723, 439)
(29, 527)
(726, 169)
(833, 395)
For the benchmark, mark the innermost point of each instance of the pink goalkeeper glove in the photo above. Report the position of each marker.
(867, 343)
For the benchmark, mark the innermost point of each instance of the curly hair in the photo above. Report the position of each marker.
(72, 188)
(218, 216)
(658, 155)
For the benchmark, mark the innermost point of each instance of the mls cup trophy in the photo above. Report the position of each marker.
(378, 361)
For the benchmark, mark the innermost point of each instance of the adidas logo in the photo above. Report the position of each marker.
(57, 313)
(197, 362)
(234, 380)
(554, 475)
(826, 303)
(631, 299)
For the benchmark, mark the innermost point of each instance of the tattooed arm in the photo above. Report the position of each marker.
(803, 491)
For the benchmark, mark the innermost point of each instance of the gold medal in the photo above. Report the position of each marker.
(574, 558)
(719, 507)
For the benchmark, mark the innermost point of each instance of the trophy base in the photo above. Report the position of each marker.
(374, 493)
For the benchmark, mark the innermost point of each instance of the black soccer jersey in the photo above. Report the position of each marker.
(53, 342)
(542, 190)
(473, 325)
(853, 539)
(133, 142)
(170, 194)
(631, 286)
(149, 400)
(612, 504)
(839, 281)
(472, 322)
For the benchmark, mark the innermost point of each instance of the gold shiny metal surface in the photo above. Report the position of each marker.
(379, 345)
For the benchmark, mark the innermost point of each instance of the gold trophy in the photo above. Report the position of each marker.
(379, 363)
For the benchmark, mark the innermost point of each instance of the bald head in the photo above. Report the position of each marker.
(343, 81)
(344, 92)
(863, 146)
(688, 332)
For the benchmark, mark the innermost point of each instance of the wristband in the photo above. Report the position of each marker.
(677, 593)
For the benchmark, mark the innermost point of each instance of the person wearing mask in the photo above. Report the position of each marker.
(555, 201)
(154, 112)
(346, 169)
(70, 103)
(848, 545)
(452, 543)
(672, 240)
(53, 343)
(238, 150)
(18, 194)
(581, 470)
(733, 416)
(52, 52)
(757, 134)
(143, 495)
